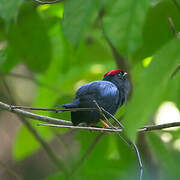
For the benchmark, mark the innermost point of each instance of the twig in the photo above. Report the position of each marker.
(126, 139)
(120, 125)
(147, 128)
(100, 111)
(48, 2)
(133, 145)
(175, 71)
(177, 5)
(139, 160)
(82, 127)
(121, 62)
(144, 129)
(57, 161)
(176, 34)
(64, 122)
(10, 171)
(52, 109)
(33, 115)
(159, 127)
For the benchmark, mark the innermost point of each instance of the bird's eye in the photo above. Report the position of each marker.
(121, 73)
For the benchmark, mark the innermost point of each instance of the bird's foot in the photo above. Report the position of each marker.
(104, 124)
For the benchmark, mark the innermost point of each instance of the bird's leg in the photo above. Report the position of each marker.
(104, 124)
(103, 115)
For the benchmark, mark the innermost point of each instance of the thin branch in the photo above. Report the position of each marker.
(52, 109)
(175, 71)
(126, 139)
(130, 143)
(64, 122)
(113, 129)
(10, 171)
(159, 127)
(139, 160)
(56, 160)
(176, 34)
(121, 62)
(48, 2)
(177, 5)
(120, 125)
(144, 129)
(33, 115)
(102, 110)
(82, 127)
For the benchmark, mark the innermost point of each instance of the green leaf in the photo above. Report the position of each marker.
(173, 90)
(29, 39)
(123, 23)
(157, 30)
(149, 91)
(9, 9)
(78, 17)
(8, 59)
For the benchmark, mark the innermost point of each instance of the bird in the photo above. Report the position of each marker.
(110, 94)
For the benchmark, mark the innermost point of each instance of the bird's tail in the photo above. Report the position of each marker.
(73, 104)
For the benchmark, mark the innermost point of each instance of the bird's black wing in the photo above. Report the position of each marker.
(104, 92)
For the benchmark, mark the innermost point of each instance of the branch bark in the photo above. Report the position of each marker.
(33, 115)
(54, 122)
(48, 2)
(10, 171)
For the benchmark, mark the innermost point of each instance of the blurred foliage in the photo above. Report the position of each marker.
(63, 46)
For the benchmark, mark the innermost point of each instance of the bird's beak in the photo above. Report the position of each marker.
(125, 73)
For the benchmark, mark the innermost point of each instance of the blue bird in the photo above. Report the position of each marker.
(109, 93)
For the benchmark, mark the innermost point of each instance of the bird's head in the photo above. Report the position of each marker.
(118, 77)
(116, 74)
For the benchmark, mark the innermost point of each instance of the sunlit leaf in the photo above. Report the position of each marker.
(123, 22)
(78, 16)
(29, 39)
(149, 91)
(157, 31)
